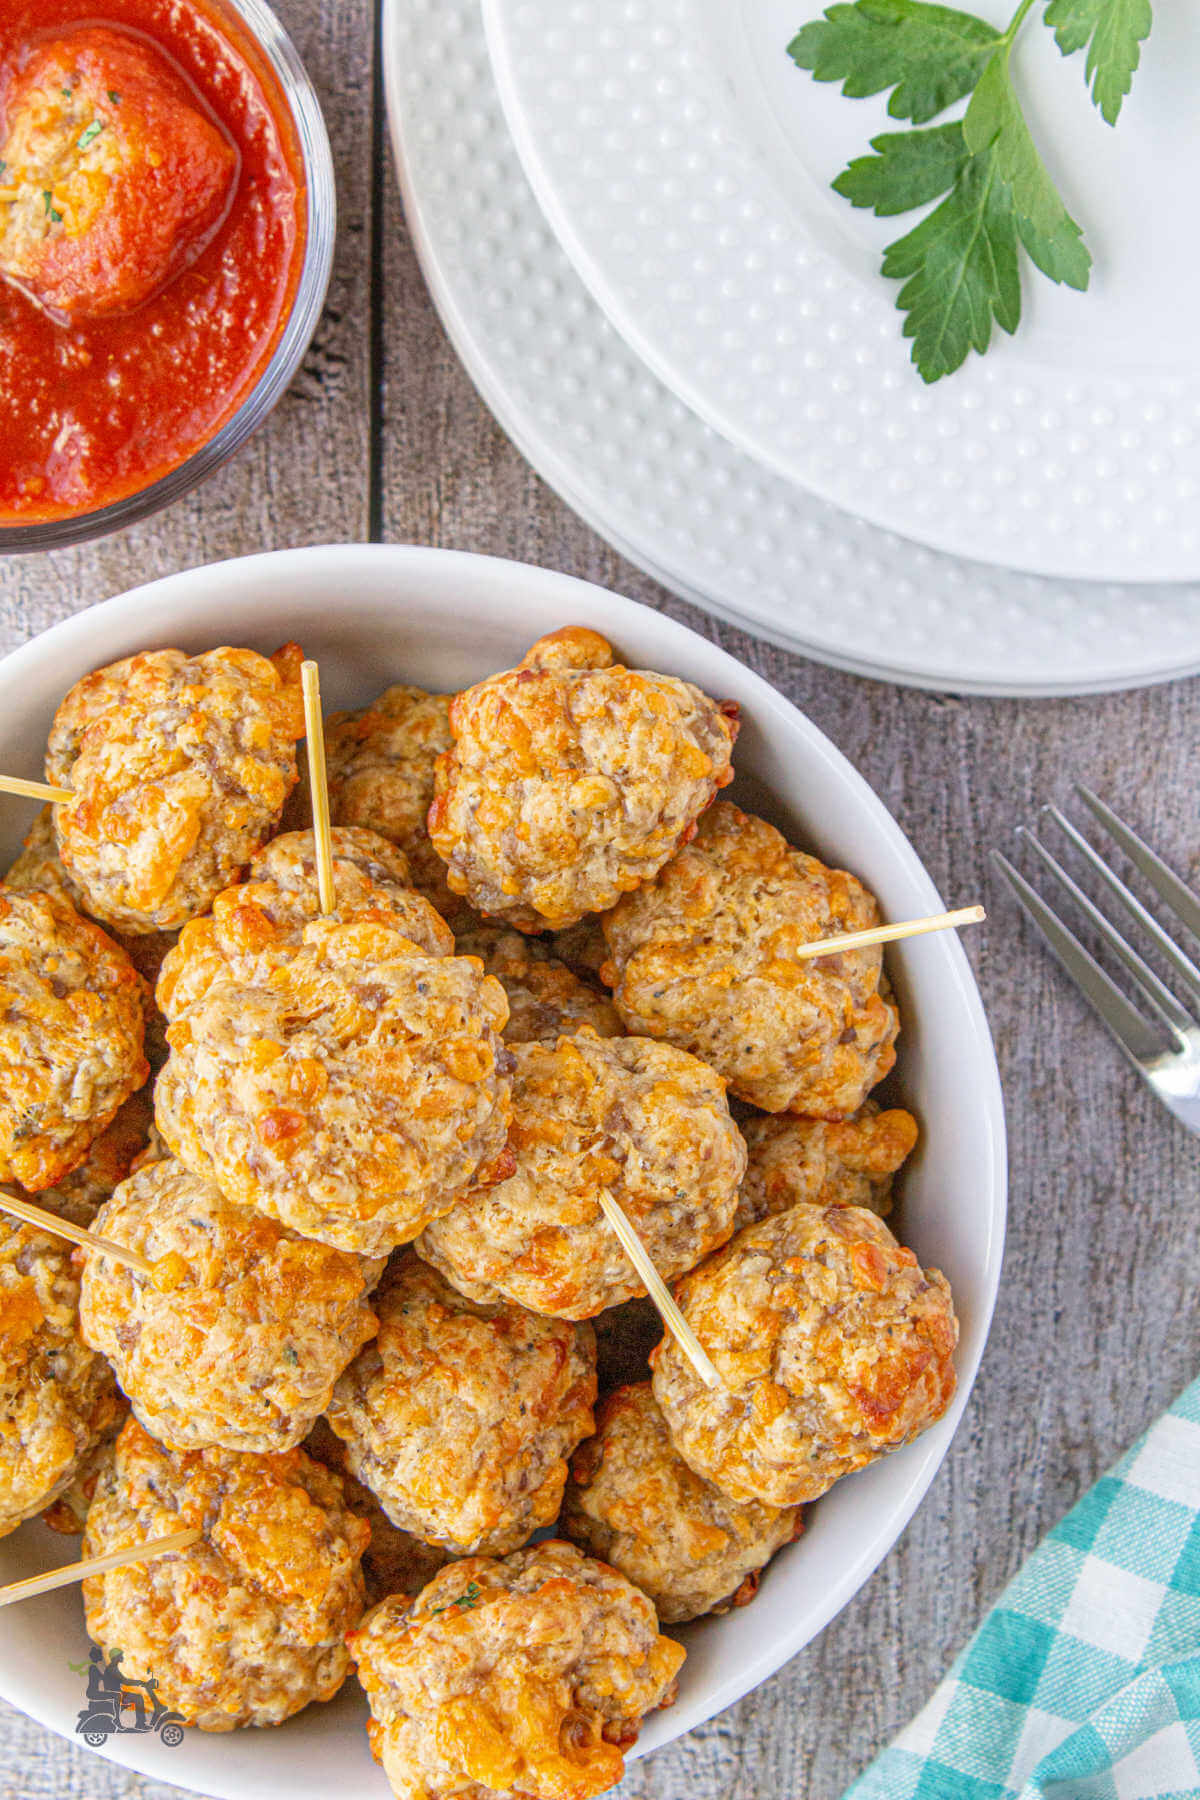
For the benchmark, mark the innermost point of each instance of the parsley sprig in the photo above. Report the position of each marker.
(960, 267)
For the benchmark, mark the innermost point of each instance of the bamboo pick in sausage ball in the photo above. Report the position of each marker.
(247, 1625)
(460, 1416)
(633, 1502)
(72, 1035)
(178, 768)
(237, 1342)
(260, 923)
(644, 1123)
(528, 1676)
(571, 780)
(834, 1346)
(704, 957)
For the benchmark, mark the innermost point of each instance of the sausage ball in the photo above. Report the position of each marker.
(68, 1513)
(179, 767)
(571, 780)
(794, 1161)
(703, 956)
(353, 1096)
(832, 1344)
(545, 1001)
(625, 1336)
(394, 1561)
(57, 1397)
(633, 1502)
(112, 180)
(260, 923)
(247, 1625)
(240, 1350)
(110, 1158)
(529, 1676)
(459, 1417)
(645, 1122)
(72, 1036)
(379, 762)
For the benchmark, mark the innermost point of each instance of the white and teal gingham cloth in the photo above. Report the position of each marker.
(1083, 1683)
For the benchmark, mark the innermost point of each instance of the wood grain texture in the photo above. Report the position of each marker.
(1096, 1328)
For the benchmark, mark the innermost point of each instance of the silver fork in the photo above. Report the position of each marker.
(1164, 1048)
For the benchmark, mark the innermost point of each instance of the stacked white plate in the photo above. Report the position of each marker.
(623, 212)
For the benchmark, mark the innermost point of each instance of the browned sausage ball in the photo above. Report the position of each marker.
(545, 1001)
(850, 1163)
(643, 1121)
(353, 1095)
(179, 767)
(460, 1417)
(247, 1625)
(57, 1397)
(80, 1195)
(241, 1348)
(260, 923)
(572, 780)
(832, 1344)
(72, 1031)
(633, 1502)
(380, 763)
(527, 1677)
(703, 956)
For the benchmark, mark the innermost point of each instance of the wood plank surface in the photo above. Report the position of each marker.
(1096, 1327)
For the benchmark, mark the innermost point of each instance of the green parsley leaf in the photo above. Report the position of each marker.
(55, 218)
(3, 168)
(289, 1356)
(930, 56)
(1113, 31)
(90, 134)
(994, 124)
(114, 97)
(960, 271)
(909, 169)
(464, 1602)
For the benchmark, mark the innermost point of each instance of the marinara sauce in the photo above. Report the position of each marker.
(94, 410)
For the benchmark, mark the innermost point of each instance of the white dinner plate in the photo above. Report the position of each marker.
(377, 614)
(672, 494)
(685, 163)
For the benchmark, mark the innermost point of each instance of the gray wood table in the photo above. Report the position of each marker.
(1096, 1328)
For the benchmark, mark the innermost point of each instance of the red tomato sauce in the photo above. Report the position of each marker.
(98, 409)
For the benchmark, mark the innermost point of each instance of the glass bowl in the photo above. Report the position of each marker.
(321, 193)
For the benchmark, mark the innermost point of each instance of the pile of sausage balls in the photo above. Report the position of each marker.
(363, 1154)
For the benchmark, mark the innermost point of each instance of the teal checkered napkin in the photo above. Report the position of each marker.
(1083, 1683)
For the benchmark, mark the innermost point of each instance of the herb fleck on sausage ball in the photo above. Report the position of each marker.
(380, 764)
(57, 1397)
(833, 1347)
(643, 1121)
(545, 1000)
(633, 1502)
(260, 923)
(353, 1095)
(242, 1348)
(179, 768)
(703, 956)
(72, 1034)
(247, 1625)
(526, 1677)
(810, 1161)
(572, 780)
(460, 1417)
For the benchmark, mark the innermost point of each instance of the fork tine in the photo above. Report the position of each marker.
(1140, 1041)
(1166, 883)
(1157, 995)
(1183, 965)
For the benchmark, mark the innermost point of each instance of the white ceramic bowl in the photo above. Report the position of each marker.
(373, 615)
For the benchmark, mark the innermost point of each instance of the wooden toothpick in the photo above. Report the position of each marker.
(659, 1292)
(890, 934)
(34, 790)
(75, 1234)
(310, 683)
(96, 1565)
